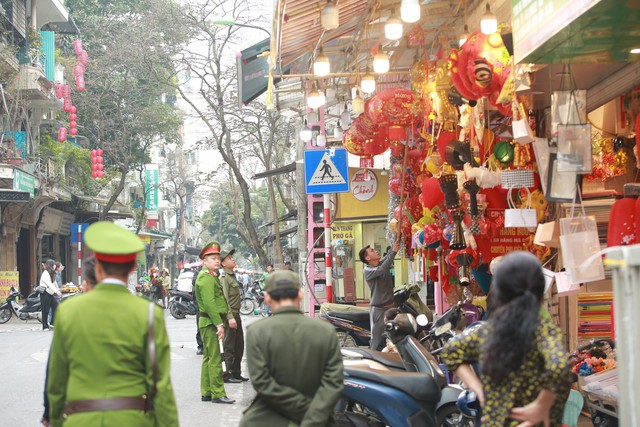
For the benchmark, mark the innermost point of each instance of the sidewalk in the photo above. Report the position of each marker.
(17, 325)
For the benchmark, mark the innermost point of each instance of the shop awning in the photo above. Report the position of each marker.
(284, 232)
(291, 167)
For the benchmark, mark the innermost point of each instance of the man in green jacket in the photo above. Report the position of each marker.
(100, 369)
(213, 320)
(234, 337)
(294, 362)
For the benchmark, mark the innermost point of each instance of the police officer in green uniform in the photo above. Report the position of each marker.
(100, 369)
(294, 362)
(213, 319)
(234, 337)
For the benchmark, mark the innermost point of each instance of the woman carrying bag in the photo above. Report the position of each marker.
(49, 293)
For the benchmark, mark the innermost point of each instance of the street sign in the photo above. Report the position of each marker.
(24, 181)
(74, 231)
(326, 171)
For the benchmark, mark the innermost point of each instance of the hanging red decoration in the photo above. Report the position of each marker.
(73, 117)
(73, 131)
(66, 91)
(62, 134)
(393, 106)
(73, 109)
(99, 151)
(73, 124)
(94, 153)
(77, 46)
(83, 58)
(67, 105)
(80, 84)
(58, 89)
(431, 194)
(397, 133)
(622, 223)
(78, 70)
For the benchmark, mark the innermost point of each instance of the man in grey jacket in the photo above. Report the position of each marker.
(377, 273)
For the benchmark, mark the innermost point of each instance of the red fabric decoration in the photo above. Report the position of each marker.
(431, 193)
(393, 106)
(444, 139)
(622, 222)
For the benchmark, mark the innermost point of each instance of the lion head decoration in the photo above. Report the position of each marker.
(480, 68)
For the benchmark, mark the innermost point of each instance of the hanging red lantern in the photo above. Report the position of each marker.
(431, 194)
(80, 85)
(77, 46)
(62, 134)
(366, 162)
(94, 174)
(394, 106)
(100, 159)
(73, 116)
(99, 151)
(83, 58)
(100, 166)
(94, 167)
(67, 105)
(66, 91)
(100, 174)
(93, 159)
(73, 131)
(73, 124)
(94, 153)
(73, 109)
(58, 89)
(397, 133)
(78, 70)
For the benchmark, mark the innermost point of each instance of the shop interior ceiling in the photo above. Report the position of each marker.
(299, 35)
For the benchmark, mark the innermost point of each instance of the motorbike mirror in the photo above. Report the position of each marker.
(422, 320)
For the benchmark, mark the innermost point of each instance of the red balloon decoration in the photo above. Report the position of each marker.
(393, 106)
(62, 134)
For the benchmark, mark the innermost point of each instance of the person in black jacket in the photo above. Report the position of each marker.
(196, 270)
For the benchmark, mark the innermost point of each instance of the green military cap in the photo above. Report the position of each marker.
(225, 253)
(112, 243)
(282, 280)
(210, 248)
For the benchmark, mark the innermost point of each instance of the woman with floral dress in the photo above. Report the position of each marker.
(524, 376)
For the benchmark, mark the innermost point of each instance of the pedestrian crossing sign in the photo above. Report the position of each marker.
(326, 171)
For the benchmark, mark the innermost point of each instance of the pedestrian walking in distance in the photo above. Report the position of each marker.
(212, 324)
(294, 362)
(110, 356)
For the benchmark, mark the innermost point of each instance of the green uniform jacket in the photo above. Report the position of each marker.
(210, 299)
(231, 290)
(296, 368)
(99, 351)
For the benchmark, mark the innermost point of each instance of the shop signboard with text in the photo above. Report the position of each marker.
(364, 185)
(8, 279)
(151, 183)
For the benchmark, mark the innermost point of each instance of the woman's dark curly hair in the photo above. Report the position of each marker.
(514, 301)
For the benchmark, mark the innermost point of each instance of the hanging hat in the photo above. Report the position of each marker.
(210, 248)
(226, 253)
(112, 243)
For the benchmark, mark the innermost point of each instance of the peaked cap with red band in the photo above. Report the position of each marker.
(210, 248)
(112, 243)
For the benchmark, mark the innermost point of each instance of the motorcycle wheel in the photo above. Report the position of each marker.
(450, 416)
(247, 306)
(346, 340)
(5, 315)
(176, 312)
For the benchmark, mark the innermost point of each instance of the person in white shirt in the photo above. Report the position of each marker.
(48, 298)
(185, 279)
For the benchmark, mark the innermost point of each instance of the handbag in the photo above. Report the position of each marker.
(548, 234)
(516, 178)
(41, 289)
(580, 246)
(573, 137)
(514, 217)
(522, 132)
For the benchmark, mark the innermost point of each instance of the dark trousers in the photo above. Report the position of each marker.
(198, 336)
(234, 348)
(48, 302)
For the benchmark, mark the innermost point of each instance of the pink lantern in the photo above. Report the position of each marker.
(94, 153)
(100, 159)
(73, 131)
(100, 166)
(67, 105)
(77, 46)
(83, 58)
(73, 109)
(78, 70)
(100, 174)
(80, 85)
(99, 151)
(62, 134)
(94, 174)
(94, 160)
(73, 116)
(59, 91)
(66, 91)
(73, 124)
(94, 167)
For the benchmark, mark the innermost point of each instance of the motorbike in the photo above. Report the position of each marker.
(31, 309)
(253, 300)
(181, 304)
(354, 328)
(377, 392)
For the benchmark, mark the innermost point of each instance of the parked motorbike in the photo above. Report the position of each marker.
(411, 357)
(31, 309)
(377, 393)
(181, 304)
(354, 328)
(253, 300)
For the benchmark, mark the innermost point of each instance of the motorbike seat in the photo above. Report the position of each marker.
(420, 386)
(391, 360)
(352, 316)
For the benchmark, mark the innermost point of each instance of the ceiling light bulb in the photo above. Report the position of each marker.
(357, 104)
(321, 66)
(321, 140)
(393, 27)
(368, 83)
(330, 16)
(305, 132)
(315, 99)
(464, 36)
(381, 63)
(489, 22)
(410, 11)
(337, 132)
(345, 118)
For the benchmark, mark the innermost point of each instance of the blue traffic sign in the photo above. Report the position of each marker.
(326, 171)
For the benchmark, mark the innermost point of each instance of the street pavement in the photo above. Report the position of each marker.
(24, 350)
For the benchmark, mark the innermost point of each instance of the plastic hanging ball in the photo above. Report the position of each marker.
(99, 151)
(94, 153)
